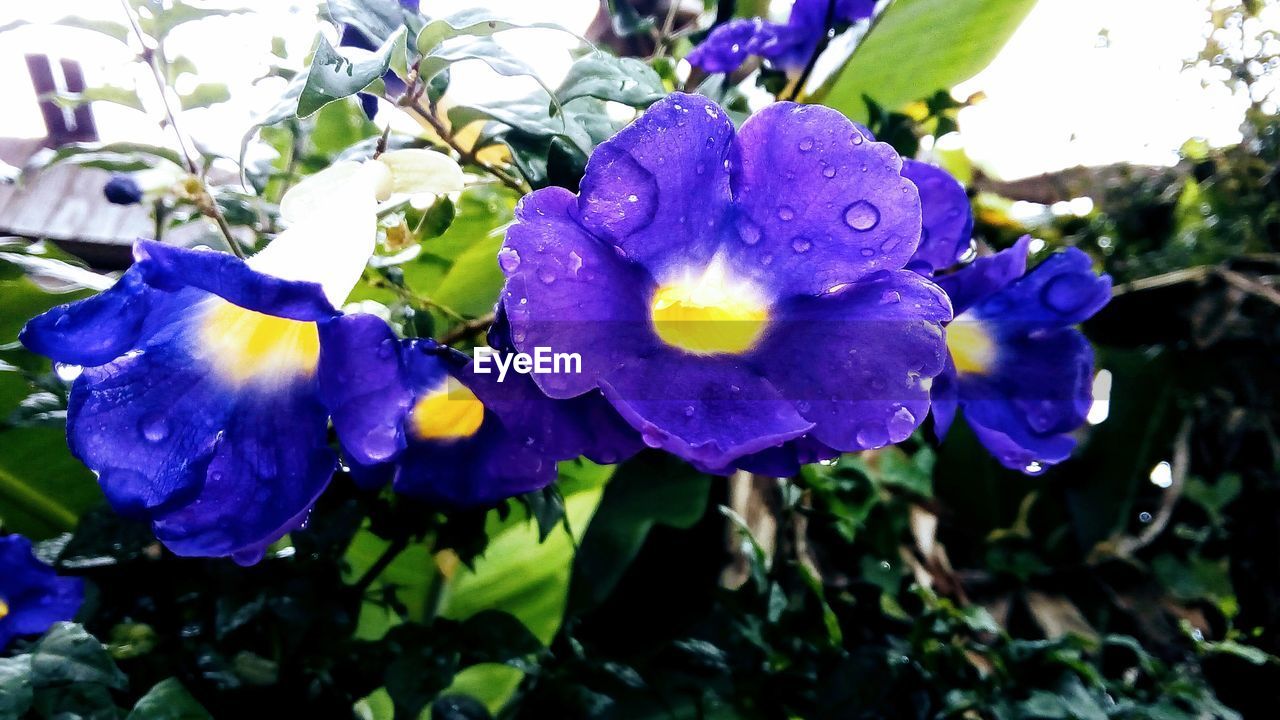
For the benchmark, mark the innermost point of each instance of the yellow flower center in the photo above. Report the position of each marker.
(709, 314)
(4, 609)
(451, 412)
(250, 345)
(971, 347)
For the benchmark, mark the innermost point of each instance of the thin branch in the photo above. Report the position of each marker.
(828, 28)
(466, 156)
(467, 329)
(378, 281)
(380, 565)
(206, 203)
(1126, 547)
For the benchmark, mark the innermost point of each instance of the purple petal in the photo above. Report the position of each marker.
(729, 45)
(169, 268)
(948, 217)
(1063, 290)
(659, 189)
(96, 330)
(818, 204)
(708, 410)
(363, 385)
(986, 276)
(570, 292)
(855, 362)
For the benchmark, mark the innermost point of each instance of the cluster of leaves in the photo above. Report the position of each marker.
(920, 581)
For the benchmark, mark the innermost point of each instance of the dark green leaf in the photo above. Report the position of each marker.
(333, 77)
(168, 700)
(67, 655)
(625, 80)
(647, 490)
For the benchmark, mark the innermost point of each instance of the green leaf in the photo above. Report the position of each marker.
(474, 22)
(168, 700)
(625, 80)
(67, 655)
(128, 97)
(204, 95)
(375, 19)
(626, 21)
(484, 49)
(523, 577)
(119, 156)
(333, 77)
(650, 489)
(15, 686)
(918, 47)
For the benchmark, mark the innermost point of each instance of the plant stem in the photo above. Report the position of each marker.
(207, 204)
(466, 156)
(828, 26)
(380, 565)
(467, 329)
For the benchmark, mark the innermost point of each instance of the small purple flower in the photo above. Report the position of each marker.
(122, 190)
(352, 37)
(1016, 365)
(456, 436)
(1019, 369)
(733, 292)
(788, 46)
(32, 596)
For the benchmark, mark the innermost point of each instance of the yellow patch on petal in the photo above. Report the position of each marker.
(246, 345)
(450, 412)
(4, 609)
(972, 349)
(709, 314)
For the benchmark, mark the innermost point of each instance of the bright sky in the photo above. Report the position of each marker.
(1082, 81)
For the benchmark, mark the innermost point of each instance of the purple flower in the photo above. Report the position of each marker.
(198, 404)
(122, 190)
(732, 292)
(456, 436)
(788, 46)
(32, 596)
(1016, 365)
(1019, 369)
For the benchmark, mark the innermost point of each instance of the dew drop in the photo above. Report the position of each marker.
(867, 252)
(786, 214)
(891, 297)
(1033, 468)
(766, 259)
(829, 171)
(688, 411)
(633, 198)
(508, 259)
(801, 244)
(806, 145)
(154, 428)
(547, 277)
(1144, 517)
(872, 435)
(861, 216)
(901, 425)
(575, 262)
(857, 138)
(748, 231)
(67, 373)
(651, 438)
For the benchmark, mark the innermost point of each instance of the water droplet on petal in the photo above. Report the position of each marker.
(806, 145)
(801, 244)
(891, 297)
(872, 435)
(688, 411)
(154, 427)
(867, 252)
(829, 171)
(575, 262)
(547, 277)
(1033, 468)
(651, 438)
(748, 231)
(786, 214)
(861, 216)
(901, 425)
(508, 259)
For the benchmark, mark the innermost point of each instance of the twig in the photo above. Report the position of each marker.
(467, 156)
(207, 204)
(1177, 277)
(828, 27)
(1250, 285)
(1126, 547)
(467, 329)
(406, 294)
(380, 565)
